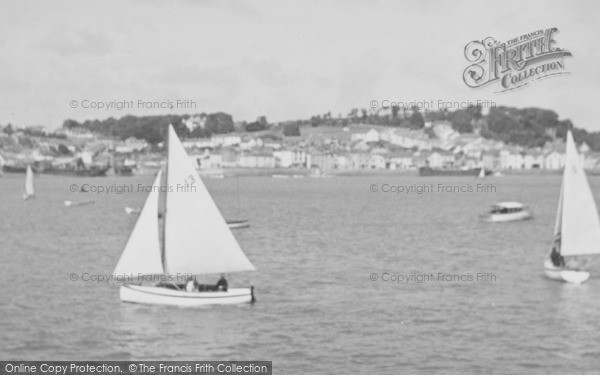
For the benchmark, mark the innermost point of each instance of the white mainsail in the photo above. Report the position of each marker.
(142, 252)
(29, 190)
(482, 172)
(197, 238)
(578, 215)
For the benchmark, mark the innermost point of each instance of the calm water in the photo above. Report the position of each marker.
(315, 243)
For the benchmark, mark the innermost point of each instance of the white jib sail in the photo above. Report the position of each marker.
(29, 190)
(142, 253)
(580, 225)
(197, 238)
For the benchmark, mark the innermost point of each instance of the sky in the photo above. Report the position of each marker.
(281, 59)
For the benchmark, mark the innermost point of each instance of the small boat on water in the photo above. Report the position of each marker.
(195, 241)
(132, 211)
(577, 228)
(428, 171)
(481, 173)
(18, 168)
(507, 211)
(78, 203)
(237, 224)
(28, 190)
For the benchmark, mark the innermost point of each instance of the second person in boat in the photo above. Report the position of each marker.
(222, 284)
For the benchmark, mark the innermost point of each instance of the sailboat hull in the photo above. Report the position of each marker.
(563, 274)
(152, 295)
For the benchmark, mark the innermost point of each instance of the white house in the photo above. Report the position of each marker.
(251, 143)
(198, 143)
(342, 162)
(441, 159)
(511, 160)
(226, 140)
(256, 160)
(443, 130)
(533, 160)
(195, 122)
(131, 144)
(400, 160)
(554, 160)
(377, 161)
(370, 136)
(86, 157)
(290, 158)
(408, 139)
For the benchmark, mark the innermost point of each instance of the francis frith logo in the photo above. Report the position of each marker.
(515, 63)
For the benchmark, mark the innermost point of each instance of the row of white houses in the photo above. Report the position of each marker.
(406, 160)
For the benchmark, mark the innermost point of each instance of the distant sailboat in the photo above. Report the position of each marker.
(132, 211)
(238, 223)
(196, 241)
(481, 173)
(577, 228)
(29, 191)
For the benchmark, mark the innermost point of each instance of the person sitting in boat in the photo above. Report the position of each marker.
(190, 285)
(557, 259)
(222, 284)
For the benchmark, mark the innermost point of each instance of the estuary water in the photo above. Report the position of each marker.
(326, 250)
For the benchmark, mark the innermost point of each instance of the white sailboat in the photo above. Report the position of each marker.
(196, 241)
(238, 223)
(482, 172)
(577, 228)
(29, 191)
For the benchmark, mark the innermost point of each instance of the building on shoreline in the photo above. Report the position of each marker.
(359, 147)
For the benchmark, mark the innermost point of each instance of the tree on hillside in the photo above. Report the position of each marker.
(416, 119)
(474, 111)
(63, 150)
(70, 124)
(219, 123)
(461, 121)
(8, 129)
(291, 130)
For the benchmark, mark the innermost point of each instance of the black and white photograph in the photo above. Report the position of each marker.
(299, 187)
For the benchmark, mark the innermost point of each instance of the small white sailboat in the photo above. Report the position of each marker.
(238, 223)
(481, 173)
(577, 228)
(29, 191)
(195, 241)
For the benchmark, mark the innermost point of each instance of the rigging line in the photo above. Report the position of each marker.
(164, 213)
(238, 193)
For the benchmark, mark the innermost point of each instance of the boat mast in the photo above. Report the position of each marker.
(238, 193)
(164, 213)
